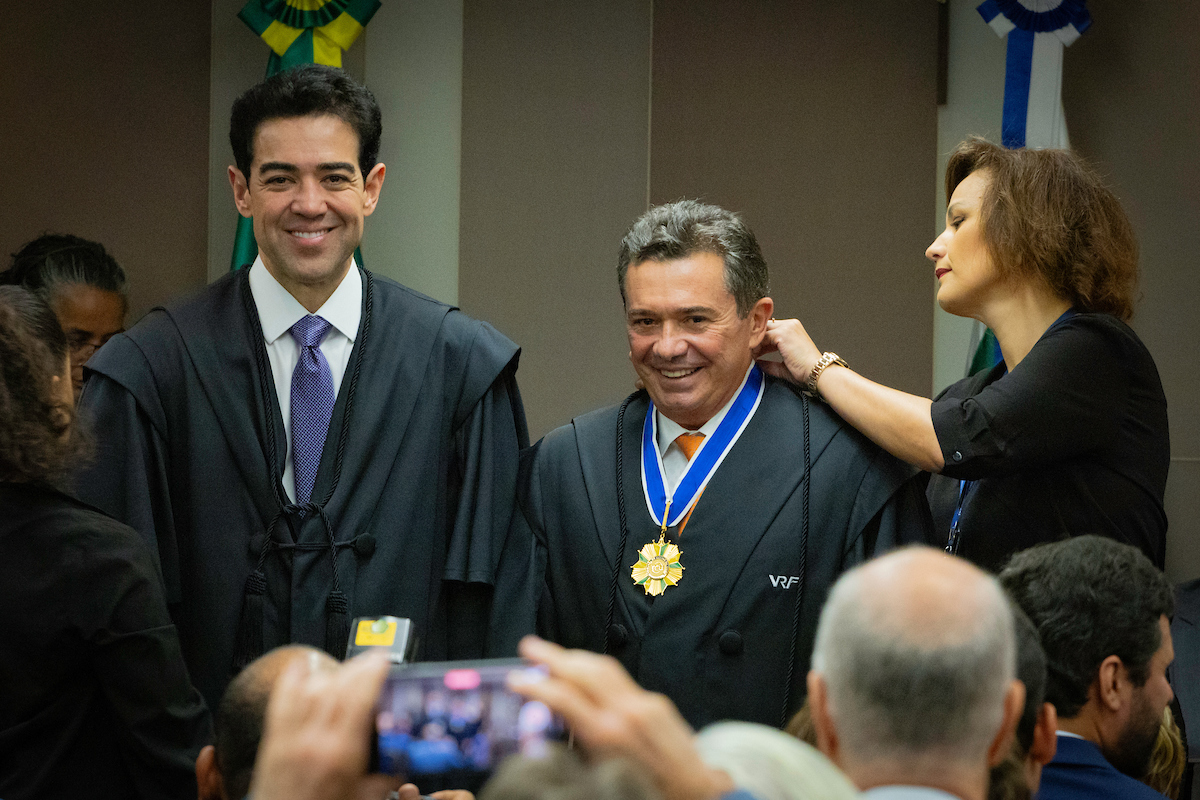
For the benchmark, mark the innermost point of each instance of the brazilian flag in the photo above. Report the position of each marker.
(299, 32)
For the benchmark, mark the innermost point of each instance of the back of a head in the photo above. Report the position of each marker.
(917, 651)
(35, 444)
(562, 775)
(54, 260)
(685, 227)
(1031, 671)
(307, 90)
(1089, 597)
(771, 764)
(238, 723)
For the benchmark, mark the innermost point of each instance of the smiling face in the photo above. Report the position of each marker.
(308, 200)
(962, 264)
(686, 341)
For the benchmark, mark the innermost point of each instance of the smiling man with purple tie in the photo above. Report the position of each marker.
(693, 531)
(304, 442)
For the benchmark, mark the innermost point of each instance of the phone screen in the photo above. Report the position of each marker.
(457, 720)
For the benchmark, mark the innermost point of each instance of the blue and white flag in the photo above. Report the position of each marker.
(1037, 31)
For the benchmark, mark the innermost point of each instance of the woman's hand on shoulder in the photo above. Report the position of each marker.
(788, 338)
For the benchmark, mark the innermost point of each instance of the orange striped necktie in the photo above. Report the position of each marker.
(689, 443)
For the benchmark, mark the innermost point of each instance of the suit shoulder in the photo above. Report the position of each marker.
(456, 328)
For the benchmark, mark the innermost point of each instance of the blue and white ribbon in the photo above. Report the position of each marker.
(1037, 31)
(704, 463)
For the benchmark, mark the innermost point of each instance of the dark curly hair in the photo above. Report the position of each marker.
(1090, 597)
(37, 440)
(1047, 215)
(308, 90)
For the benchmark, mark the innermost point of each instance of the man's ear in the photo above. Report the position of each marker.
(241, 191)
(372, 186)
(1112, 684)
(1014, 704)
(759, 315)
(818, 703)
(209, 783)
(1045, 735)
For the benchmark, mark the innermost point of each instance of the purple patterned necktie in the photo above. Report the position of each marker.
(312, 403)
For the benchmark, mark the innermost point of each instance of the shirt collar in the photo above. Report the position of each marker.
(278, 311)
(669, 431)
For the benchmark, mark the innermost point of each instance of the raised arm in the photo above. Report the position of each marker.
(899, 422)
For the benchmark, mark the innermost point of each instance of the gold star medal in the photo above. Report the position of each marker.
(657, 567)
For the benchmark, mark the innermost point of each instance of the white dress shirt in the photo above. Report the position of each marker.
(278, 311)
(674, 460)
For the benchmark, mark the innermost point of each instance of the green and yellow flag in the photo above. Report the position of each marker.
(299, 32)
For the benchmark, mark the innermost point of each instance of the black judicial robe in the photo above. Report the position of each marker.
(420, 511)
(719, 643)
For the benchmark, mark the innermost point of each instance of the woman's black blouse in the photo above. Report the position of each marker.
(1073, 441)
(95, 700)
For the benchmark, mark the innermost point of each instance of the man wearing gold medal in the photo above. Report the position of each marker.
(677, 532)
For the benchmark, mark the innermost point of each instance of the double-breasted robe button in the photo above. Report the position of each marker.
(730, 643)
(618, 637)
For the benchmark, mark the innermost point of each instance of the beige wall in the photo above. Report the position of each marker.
(1131, 89)
(770, 109)
(105, 135)
(817, 121)
(555, 114)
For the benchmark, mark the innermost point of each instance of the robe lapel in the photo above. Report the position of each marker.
(760, 475)
(226, 369)
(392, 358)
(598, 463)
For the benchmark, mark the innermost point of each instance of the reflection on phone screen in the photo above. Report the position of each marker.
(458, 720)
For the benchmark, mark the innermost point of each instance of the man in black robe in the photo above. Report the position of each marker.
(712, 602)
(211, 420)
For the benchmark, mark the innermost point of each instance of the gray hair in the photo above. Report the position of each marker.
(771, 764)
(685, 227)
(908, 678)
(54, 260)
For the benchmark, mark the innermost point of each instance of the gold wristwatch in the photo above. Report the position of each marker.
(824, 361)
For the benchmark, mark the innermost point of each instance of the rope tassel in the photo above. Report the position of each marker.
(249, 642)
(337, 624)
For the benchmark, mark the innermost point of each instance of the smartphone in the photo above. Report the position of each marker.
(449, 724)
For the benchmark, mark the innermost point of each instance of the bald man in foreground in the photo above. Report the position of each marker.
(223, 769)
(913, 688)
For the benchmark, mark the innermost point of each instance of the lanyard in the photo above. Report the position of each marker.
(965, 486)
(667, 512)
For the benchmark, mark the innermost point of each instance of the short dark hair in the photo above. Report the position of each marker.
(1090, 597)
(238, 722)
(34, 422)
(1031, 671)
(60, 259)
(308, 90)
(680, 229)
(1047, 215)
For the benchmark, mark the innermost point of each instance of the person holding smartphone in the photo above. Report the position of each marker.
(1068, 433)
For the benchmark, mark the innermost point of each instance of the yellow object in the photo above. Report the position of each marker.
(375, 633)
(279, 37)
(657, 567)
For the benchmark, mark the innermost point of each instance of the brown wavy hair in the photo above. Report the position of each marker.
(37, 442)
(1047, 216)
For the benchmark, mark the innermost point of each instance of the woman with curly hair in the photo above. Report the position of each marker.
(95, 700)
(1068, 433)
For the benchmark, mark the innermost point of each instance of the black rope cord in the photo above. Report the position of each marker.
(256, 582)
(624, 522)
(791, 674)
